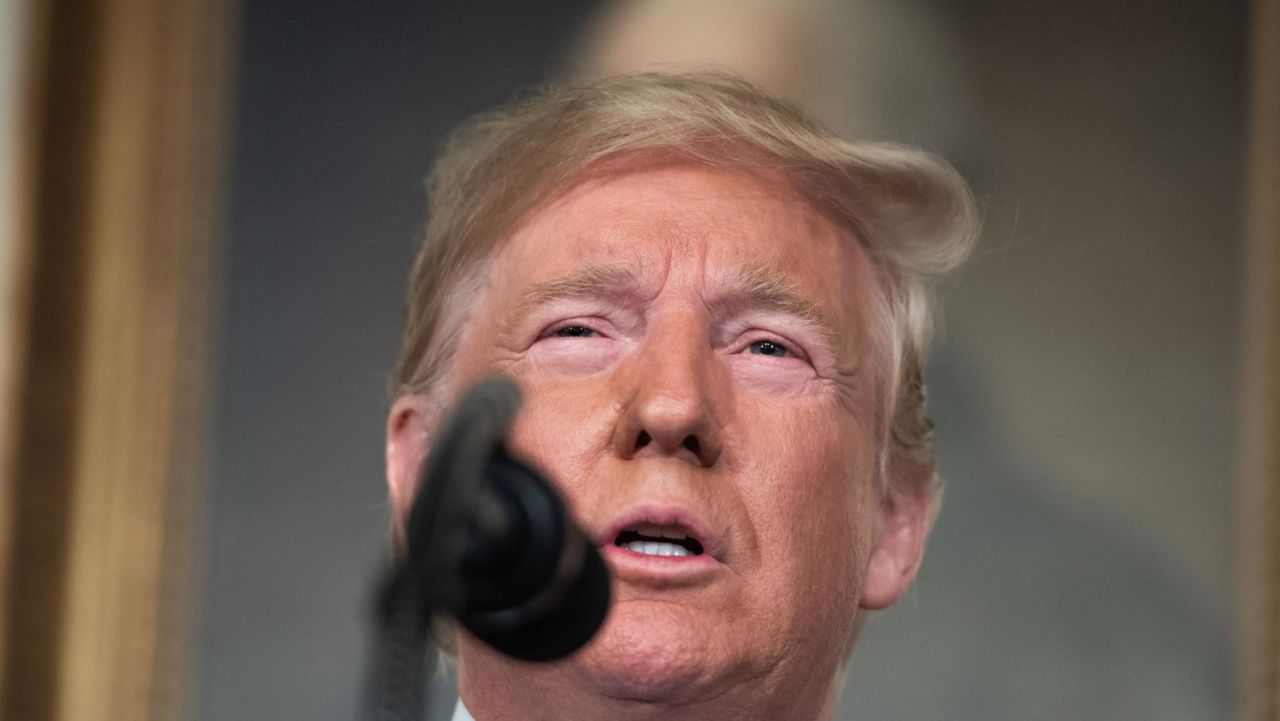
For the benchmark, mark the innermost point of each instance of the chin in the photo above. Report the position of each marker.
(651, 651)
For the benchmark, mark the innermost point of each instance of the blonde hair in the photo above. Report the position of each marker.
(912, 211)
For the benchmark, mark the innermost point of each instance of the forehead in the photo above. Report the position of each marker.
(689, 223)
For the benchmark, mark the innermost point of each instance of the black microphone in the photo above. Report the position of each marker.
(488, 541)
(494, 541)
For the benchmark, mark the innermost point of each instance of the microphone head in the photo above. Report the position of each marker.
(568, 626)
(538, 590)
(489, 539)
(452, 479)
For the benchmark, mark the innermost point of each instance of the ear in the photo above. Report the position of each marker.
(409, 427)
(896, 552)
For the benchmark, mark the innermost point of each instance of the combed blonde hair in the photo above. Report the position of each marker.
(912, 211)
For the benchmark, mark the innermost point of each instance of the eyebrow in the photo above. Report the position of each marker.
(592, 281)
(745, 288)
(757, 287)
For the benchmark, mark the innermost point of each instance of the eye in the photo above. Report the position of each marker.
(768, 347)
(573, 331)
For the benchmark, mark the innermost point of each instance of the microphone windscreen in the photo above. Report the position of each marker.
(569, 625)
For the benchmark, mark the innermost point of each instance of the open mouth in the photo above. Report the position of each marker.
(658, 540)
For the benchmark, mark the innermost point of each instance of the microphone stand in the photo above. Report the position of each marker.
(489, 541)
(403, 656)
(424, 578)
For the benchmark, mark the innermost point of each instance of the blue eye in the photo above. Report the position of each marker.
(768, 347)
(574, 331)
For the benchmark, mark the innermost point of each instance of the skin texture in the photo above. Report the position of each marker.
(691, 338)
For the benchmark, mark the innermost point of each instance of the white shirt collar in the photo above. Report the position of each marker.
(460, 713)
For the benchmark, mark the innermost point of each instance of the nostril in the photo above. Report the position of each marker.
(643, 439)
(691, 443)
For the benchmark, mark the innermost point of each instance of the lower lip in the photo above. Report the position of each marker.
(629, 565)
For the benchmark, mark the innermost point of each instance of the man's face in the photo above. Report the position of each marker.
(693, 346)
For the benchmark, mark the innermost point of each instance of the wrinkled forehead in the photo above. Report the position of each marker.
(673, 221)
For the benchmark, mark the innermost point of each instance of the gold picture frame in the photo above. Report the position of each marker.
(121, 141)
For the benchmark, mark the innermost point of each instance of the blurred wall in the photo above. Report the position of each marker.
(1083, 384)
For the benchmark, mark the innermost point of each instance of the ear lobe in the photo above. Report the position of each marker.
(897, 549)
(409, 427)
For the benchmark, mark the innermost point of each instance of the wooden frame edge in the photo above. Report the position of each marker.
(128, 122)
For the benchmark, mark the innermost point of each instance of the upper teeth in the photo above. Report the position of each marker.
(660, 532)
(657, 548)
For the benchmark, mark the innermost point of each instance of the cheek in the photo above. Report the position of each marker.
(563, 429)
(816, 466)
(827, 523)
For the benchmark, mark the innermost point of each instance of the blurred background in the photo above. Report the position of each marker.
(1084, 382)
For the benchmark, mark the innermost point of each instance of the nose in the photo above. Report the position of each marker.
(672, 400)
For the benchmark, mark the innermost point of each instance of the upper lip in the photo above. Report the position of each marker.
(664, 514)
